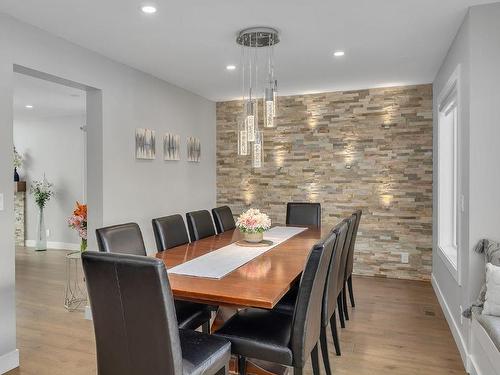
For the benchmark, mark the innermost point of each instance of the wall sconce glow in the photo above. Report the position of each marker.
(386, 200)
(339, 53)
(248, 197)
(231, 67)
(29, 106)
(148, 9)
(348, 166)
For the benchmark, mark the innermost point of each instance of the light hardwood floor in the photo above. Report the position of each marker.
(396, 328)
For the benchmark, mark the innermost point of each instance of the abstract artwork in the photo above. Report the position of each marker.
(193, 149)
(145, 144)
(171, 147)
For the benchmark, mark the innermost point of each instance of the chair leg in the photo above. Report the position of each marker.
(297, 371)
(351, 293)
(324, 351)
(341, 311)
(205, 327)
(242, 365)
(315, 360)
(344, 303)
(333, 326)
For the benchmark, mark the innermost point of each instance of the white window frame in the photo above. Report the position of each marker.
(449, 100)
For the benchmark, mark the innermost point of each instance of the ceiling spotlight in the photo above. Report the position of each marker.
(29, 106)
(148, 9)
(339, 53)
(231, 67)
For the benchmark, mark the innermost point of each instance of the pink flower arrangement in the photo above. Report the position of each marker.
(253, 221)
(78, 221)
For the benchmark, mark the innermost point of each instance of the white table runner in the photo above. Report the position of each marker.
(219, 263)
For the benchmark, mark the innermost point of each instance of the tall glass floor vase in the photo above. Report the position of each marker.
(41, 233)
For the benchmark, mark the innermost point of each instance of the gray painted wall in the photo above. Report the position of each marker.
(54, 147)
(477, 49)
(132, 190)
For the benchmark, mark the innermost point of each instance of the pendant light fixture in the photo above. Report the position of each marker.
(252, 41)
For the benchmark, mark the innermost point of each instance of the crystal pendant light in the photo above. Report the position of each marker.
(258, 149)
(250, 138)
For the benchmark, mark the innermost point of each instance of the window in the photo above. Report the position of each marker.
(448, 239)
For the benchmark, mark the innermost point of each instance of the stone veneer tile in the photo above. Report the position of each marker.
(384, 135)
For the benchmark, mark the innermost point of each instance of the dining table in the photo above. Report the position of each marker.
(261, 282)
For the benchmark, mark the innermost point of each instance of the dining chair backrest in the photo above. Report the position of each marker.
(331, 284)
(135, 327)
(122, 238)
(350, 255)
(307, 314)
(303, 213)
(223, 219)
(200, 224)
(351, 221)
(169, 231)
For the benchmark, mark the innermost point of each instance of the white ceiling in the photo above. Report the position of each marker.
(190, 42)
(48, 99)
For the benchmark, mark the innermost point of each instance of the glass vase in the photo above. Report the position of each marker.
(83, 245)
(41, 233)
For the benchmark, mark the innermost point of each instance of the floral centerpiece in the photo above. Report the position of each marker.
(42, 192)
(253, 224)
(78, 221)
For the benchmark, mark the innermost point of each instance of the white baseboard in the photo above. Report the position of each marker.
(9, 361)
(455, 330)
(55, 245)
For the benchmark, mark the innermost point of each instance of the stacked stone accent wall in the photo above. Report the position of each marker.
(368, 149)
(19, 213)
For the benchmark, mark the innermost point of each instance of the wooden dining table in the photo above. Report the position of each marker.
(261, 282)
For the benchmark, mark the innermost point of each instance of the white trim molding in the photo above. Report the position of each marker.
(455, 330)
(55, 245)
(9, 361)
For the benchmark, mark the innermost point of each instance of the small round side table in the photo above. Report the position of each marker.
(75, 294)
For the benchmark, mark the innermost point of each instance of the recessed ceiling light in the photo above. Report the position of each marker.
(231, 67)
(148, 9)
(339, 53)
(29, 106)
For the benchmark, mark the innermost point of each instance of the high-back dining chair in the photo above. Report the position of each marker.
(332, 292)
(341, 275)
(200, 225)
(303, 213)
(122, 238)
(127, 239)
(287, 339)
(223, 219)
(136, 328)
(350, 260)
(169, 232)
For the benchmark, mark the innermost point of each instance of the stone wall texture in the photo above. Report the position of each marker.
(369, 149)
(19, 214)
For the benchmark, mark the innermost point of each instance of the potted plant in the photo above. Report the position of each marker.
(78, 221)
(42, 192)
(253, 224)
(18, 162)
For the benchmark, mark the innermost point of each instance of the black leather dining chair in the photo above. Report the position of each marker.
(303, 213)
(169, 232)
(333, 289)
(136, 328)
(122, 238)
(350, 261)
(287, 339)
(127, 239)
(200, 225)
(223, 219)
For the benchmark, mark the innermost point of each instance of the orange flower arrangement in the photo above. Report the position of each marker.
(78, 221)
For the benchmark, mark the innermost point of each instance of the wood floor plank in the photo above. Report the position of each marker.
(397, 327)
